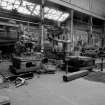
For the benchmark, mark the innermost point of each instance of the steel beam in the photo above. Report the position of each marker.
(42, 25)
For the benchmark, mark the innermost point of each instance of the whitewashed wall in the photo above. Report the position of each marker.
(98, 7)
(81, 3)
(95, 6)
(92, 7)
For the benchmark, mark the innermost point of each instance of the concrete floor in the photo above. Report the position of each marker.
(51, 90)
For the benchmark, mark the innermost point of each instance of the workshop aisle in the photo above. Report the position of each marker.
(49, 89)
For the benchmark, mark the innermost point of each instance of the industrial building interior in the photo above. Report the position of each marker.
(52, 52)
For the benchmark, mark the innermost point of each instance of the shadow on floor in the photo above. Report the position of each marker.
(96, 77)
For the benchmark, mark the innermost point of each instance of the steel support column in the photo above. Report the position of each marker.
(90, 30)
(42, 24)
(71, 27)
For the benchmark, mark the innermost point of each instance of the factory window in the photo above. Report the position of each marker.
(29, 8)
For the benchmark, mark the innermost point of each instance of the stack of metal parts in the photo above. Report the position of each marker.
(4, 100)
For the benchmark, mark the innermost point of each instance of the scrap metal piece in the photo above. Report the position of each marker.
(19, 81)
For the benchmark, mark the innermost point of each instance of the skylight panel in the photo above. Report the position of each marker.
(25, 3)
(55, 17)
(3, 4)
(17, 2)
(4, 0)
(30, 8)
(23, 10)
(63, 17)
(15, 6)
(26, 7)
(9, 6)
(37, 10)
(46, 9)
(10, 1)
(53, 14)
(51, 11)
(59, 13)
(48, 16)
